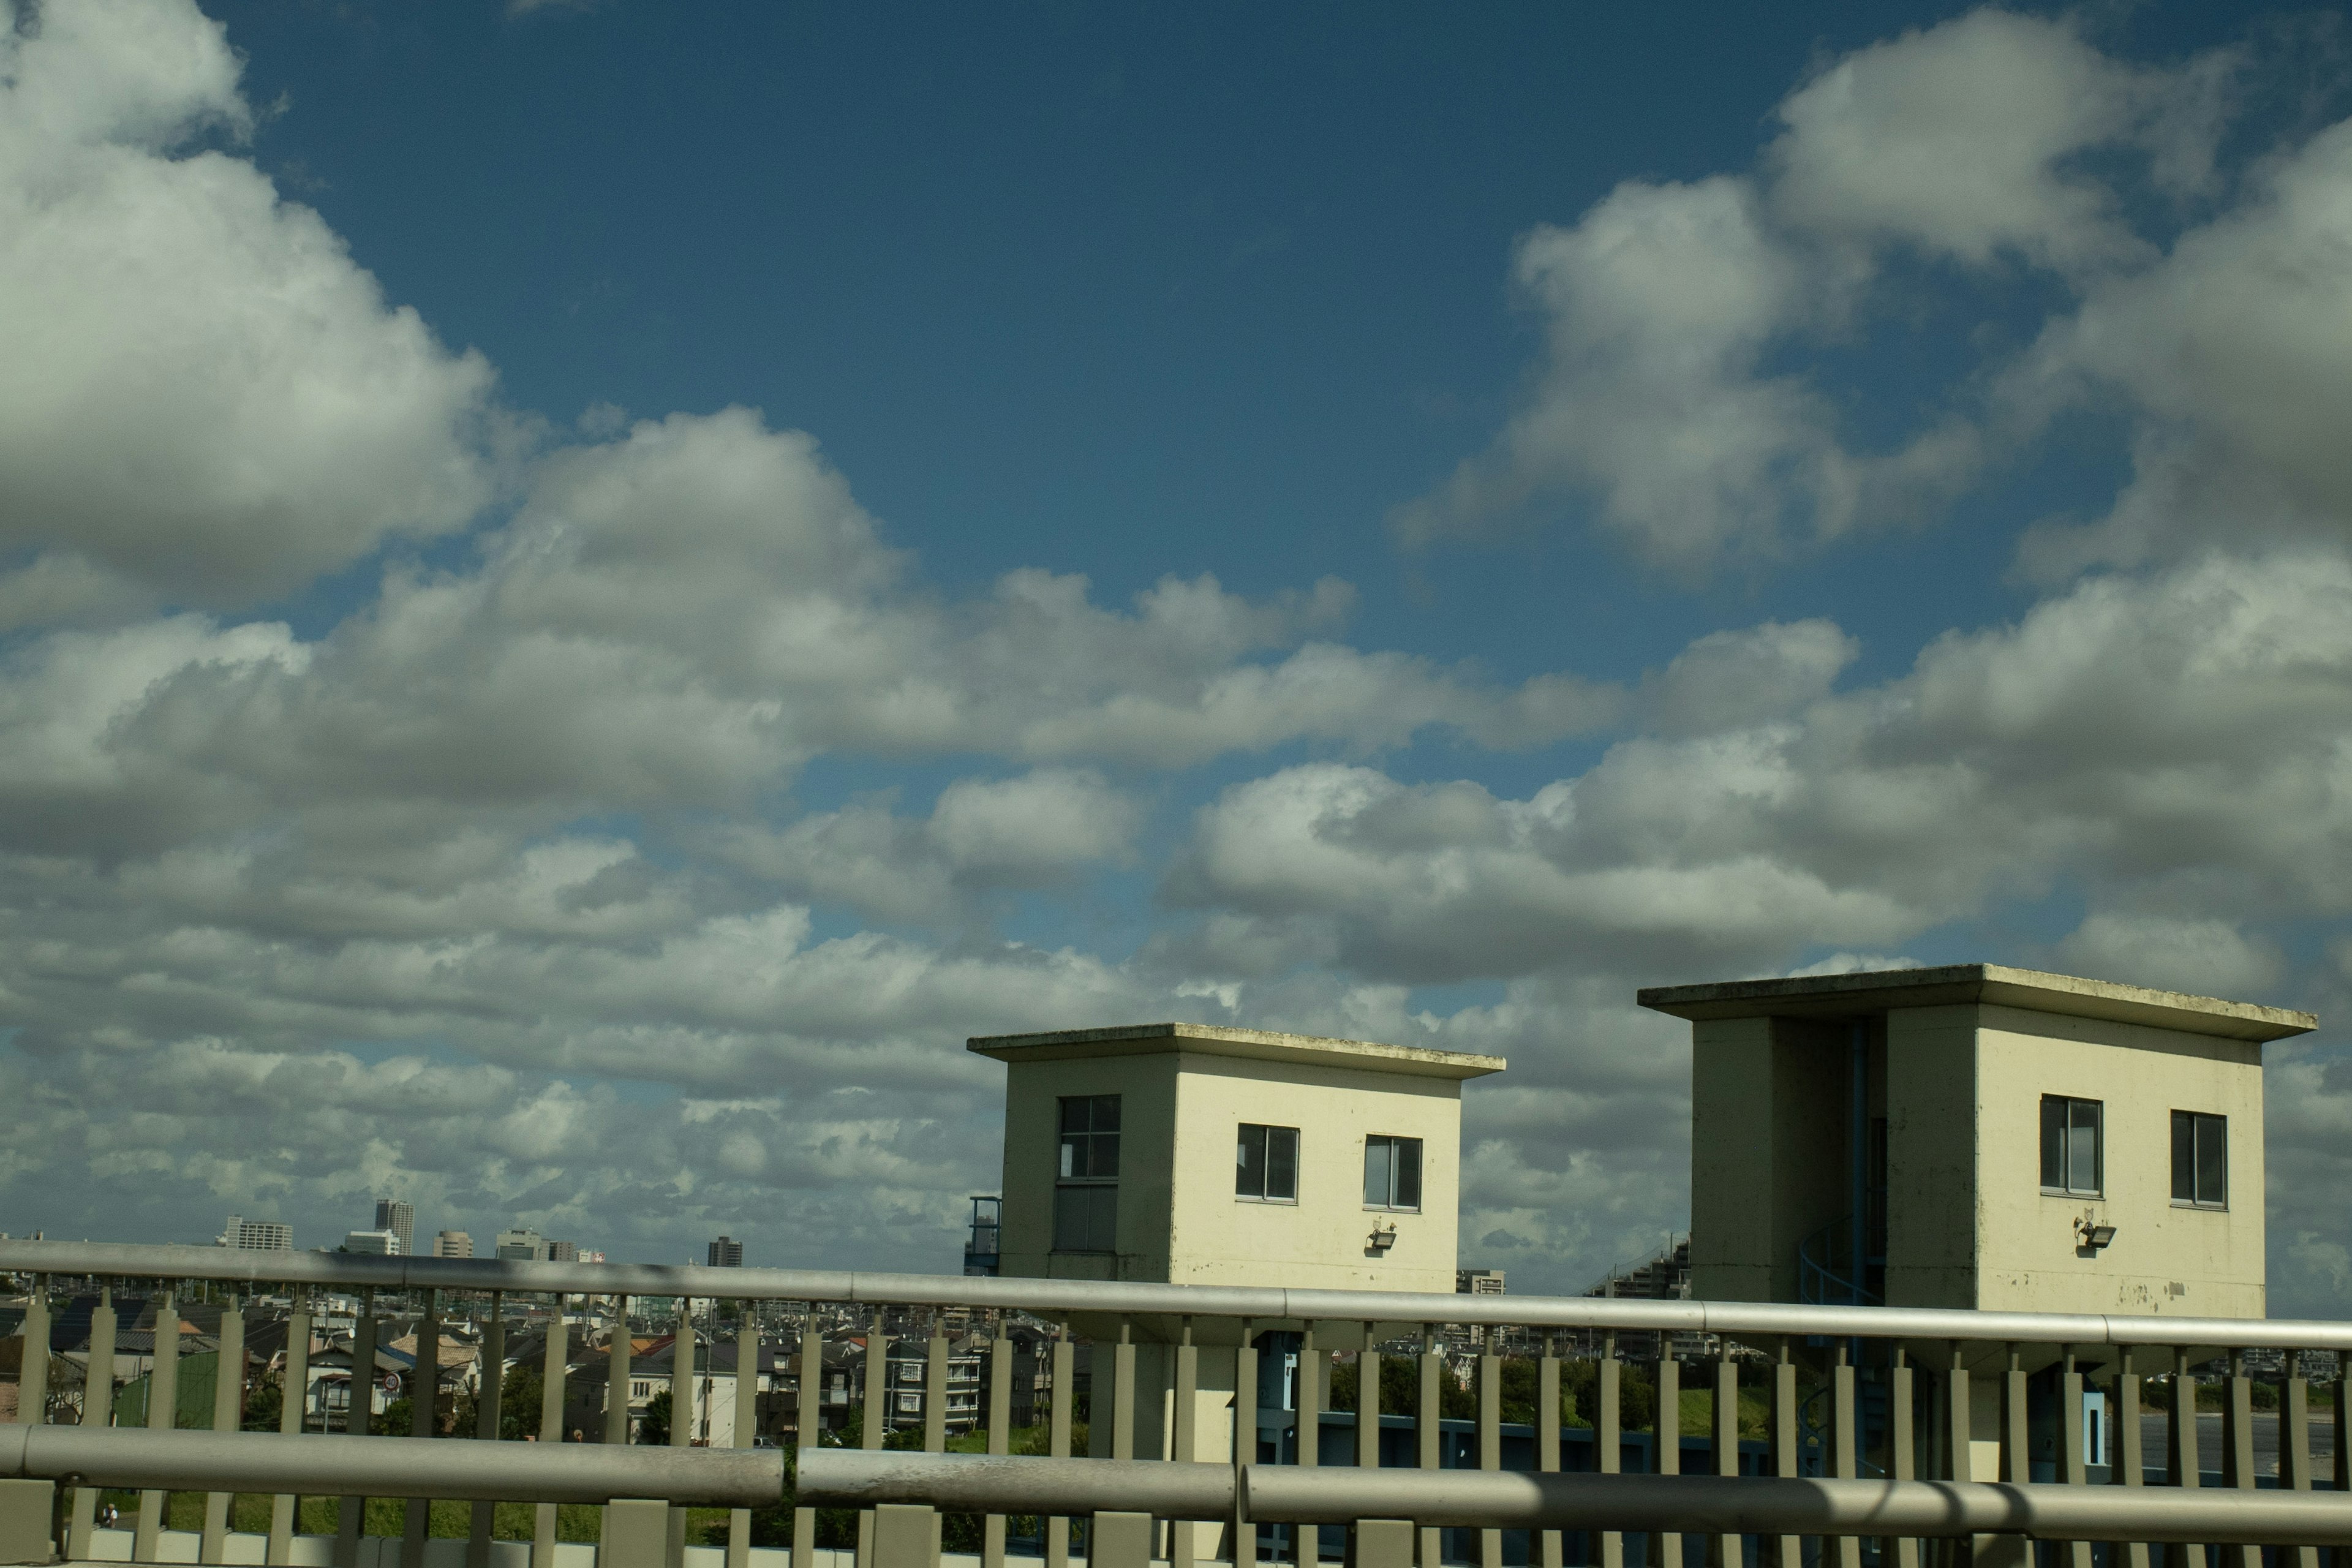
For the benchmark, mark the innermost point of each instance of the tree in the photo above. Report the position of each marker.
(264, 1405)
(652, 1427)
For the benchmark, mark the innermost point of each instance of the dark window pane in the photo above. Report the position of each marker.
(2212, 1161)
(1407, 1177)
(1281, 1163)
(1102, 1229)
(1074, 1113)
(1069, 1219)
(2053, 1142)
(1106, 1113)
(1104, 1166)
(2184, 1160)
(2082, 1146)
(1376, 1171)
(1249, 1160)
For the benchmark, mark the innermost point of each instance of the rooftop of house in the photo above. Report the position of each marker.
(1219, 1040)
(1835, 996)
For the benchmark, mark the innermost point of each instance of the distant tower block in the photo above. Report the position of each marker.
(1978, 1137)
(726, 1253)
(399, 1218)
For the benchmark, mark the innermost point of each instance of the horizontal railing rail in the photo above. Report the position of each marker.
(1288, 1494)
(390, 1466)
(1756, 1320)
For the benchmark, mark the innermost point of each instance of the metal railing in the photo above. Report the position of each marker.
(1925, 1402)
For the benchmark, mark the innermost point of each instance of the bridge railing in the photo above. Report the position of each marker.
(1540, 1430)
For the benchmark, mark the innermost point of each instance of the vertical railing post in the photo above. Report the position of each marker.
(1057, 1437)
(1666, 1545)
(2184, 1463)
(1184, 1440)
(2295, 1442)
(1903, 1459)
(2016, 1446)
(1784, 1440)
(96, 1409)
(681, 1411)
(873, 1420)
(163, 1412)
(359, 1419)
(1845, 1440)
(1549, 1548)
(1960, 1429)
(229, 1415)
(424, 1395)
(746, 1430)
(1608, 1432)
(33, 1367)
(1726, 1551)
(1000, 1436)
(617, 1374)
(1429, 1435)
(285, 1508)
(2131, 1454)
(808, 1435)
(1245, 1534)
(489, 1399)
(1122, 1393)
(935, 1406)
(1490, 1437)
(555, 1360)
(2073, 1464)
(2238, 1447)
(1307, 1435)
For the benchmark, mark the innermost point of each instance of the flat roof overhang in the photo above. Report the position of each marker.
(1990, 984)
(1252, 1045)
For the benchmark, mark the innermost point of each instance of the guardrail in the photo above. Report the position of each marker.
(1878, 1425)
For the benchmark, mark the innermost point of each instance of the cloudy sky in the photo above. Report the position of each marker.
(587, 590)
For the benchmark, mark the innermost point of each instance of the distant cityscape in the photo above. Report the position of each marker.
(393, 1233)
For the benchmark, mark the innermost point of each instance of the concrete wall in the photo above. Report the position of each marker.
(1731, 1159)
(2195, 1262)
(1321, 1242)
(1179, 1219)
(1769, 1163)
(1033, 1093)
(1932, 1220)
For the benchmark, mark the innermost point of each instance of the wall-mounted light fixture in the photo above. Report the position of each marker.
(1384, 1239)
(2091, 1235)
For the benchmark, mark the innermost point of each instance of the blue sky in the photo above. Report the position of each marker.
(589, 588)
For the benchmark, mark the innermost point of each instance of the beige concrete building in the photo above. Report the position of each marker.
(1979, 1137)
(1193, 1154)
(1200, 1155)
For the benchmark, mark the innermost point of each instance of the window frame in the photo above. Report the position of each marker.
(1269, 1137)
(1396, 1168)
(2195, 1122)
(1087, 1202)
(2068, 1128)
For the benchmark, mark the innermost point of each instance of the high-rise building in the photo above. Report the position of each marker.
(399, 1218)
(457, 1244)
(523, 1245)
(256, 1234)
(728, 1253)
(563, 1252)
(375, 1243)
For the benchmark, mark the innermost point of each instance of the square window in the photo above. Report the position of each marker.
(1089, 1138)
(2200, 1160)
(1392, 1172)
(2073, 1156)
(1266, 1163)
